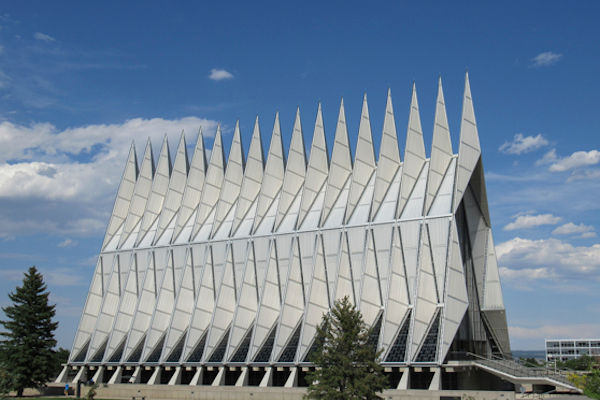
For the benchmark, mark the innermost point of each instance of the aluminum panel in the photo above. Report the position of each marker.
(370, 293)
(270, 303)
(389, 157)
(193, 189)
(293, 303)
(232, 183)
(340, 168)
(253, 176)
(211, 186)
(141, 192)
(441, 149)
(317, 171)
(397, 303)
(414, 154)
(344, 284)
(427, 300)
(160, 186)
(364, 162)
(294, 175)
(224, 307)
(442, 204)
(274, 174)
(247, 306)
(177, 185)
(124, 196)
(469, 149)
(318, 298)
(184, 305)
(492, 291)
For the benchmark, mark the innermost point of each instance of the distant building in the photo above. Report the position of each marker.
(567, 349)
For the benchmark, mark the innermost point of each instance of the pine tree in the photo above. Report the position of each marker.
(345, 358)
(26, 350)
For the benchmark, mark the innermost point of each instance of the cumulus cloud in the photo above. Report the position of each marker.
(67, 243)
(70, 187)
(217, 74)
(545, 59)
(530, 221)
(43, 37)
(571, 228)
(523, 144)
(552, 259)
(575, 160)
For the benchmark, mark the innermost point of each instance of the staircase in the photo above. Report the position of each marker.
(519, 372)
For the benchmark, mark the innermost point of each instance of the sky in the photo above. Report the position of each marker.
(80, 80)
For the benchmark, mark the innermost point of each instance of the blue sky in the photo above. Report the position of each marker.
(80, 80)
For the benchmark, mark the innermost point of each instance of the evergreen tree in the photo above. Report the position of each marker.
(26, 350)
(345, 358)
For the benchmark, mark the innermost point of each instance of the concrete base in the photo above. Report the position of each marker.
(136, 376)
(166, 392)
(404, 380)
(436, 381)
(292, 380)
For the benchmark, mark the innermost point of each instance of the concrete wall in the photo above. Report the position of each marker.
(157, 392)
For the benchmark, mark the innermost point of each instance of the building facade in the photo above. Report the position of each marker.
(568, 349)
(215, 272)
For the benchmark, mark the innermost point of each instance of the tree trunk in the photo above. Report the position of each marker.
(20, 392)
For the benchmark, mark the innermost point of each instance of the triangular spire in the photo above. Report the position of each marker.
(294, 173)
(143, 186)
(318, 299)
(370, 292)
(176, 188)
(389, 157)
(247, 306)
(414, 153)
(124, 196)
(364, 161)
(293, 303)
(212, 183)
(224, 307)
(441, 149)
(270, 303)
(427, 298)
(203, 310)
(184, 305)
(345, 281)
(341, 165)
(253, 176)
(230, 187)
(274, 173)
(318, 168)
(397, 301)
(193, 188)
(160, 185)
(469, 152)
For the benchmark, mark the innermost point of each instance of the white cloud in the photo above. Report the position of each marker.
(584, 175)
(545, 59)
(217, 74)
(571, 229)
(530, 221)
(43, 37)
(67, 243)
(524, 144)
(550, 259)
(70, 187)
(575, 160)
